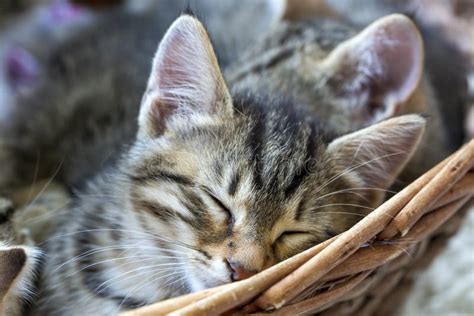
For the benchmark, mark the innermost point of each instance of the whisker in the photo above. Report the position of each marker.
(353, 189)
(38, 218)
(144, 270)
(146, 282)
(344, 204)
(404, 251)
(347, 204)
(159, 238)
(99, 288)
(404, 241)
(35, 175)
(108, 248)
(344, 213)
(146, 258)
(46, 185)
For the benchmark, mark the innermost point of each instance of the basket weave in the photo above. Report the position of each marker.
(354, 272)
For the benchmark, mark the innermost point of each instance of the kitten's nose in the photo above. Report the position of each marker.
(238, 272)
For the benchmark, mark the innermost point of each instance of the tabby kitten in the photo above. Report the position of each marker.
(216, 187)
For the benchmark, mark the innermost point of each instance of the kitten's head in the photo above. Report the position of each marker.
(244, 181)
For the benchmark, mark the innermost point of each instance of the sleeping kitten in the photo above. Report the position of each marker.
(219, 185)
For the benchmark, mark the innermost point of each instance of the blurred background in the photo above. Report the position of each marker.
(55, 47)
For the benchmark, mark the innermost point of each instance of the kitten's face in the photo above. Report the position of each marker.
(243, 189)
(239, 183)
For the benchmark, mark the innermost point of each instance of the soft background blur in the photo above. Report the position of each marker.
(447, 288)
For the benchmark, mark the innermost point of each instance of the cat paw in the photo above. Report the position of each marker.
(18, 269)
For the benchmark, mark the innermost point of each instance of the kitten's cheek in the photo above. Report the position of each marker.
(214, 274)
(194, 284)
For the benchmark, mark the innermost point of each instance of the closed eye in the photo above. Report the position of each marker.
(290, 233)
(221, 205)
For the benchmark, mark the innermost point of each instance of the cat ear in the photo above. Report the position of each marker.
(185, 79)
(379, 69)
(375, 155)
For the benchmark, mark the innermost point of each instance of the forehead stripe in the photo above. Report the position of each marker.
(234, 183)
(303, 170)
(255, 144)
(162, 176)
(162, 212)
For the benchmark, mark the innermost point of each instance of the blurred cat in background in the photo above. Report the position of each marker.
(70, 76)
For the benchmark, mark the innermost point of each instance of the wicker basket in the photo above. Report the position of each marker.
(352, 273)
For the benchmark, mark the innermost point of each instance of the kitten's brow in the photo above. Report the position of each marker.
(162, 176)
(234, 183)
(303, 170)
(255, 144)
(162, 212)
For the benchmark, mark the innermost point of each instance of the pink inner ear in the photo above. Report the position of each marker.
(398, 49)
(183, 69)
(173, 69)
